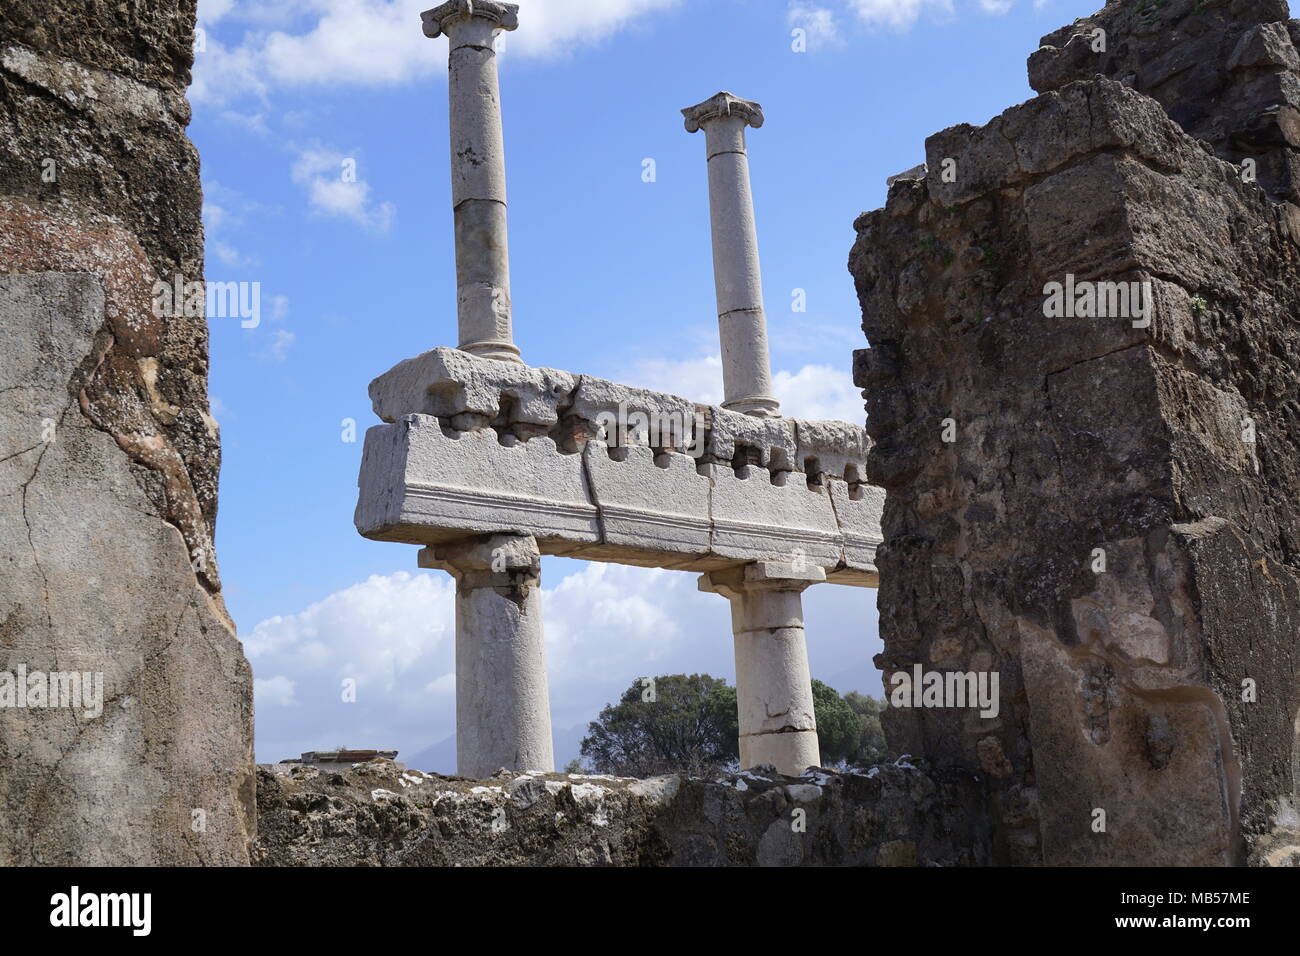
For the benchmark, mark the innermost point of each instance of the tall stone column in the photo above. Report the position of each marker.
(773, 687)
(503, 715)
(478, 171)
(742, 325)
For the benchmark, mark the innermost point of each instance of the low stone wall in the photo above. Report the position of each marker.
(379, 814)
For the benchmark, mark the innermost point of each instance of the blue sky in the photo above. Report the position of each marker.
(611, 275)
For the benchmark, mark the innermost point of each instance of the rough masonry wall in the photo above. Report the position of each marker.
(108, 456)
(1171, 451)
(378, 814)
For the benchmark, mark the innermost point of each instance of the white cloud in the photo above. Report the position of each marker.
(276, 348)
(223, 212)
(819, 392)
(228, 254)
(899, 14)
(699, 379)
(377, 42)
(813, 392)
(392, 634)
(250, 122)
(210, 11)
(818, 24)
(274, 691)
(334, 189)
(279, 307)
(996, 7)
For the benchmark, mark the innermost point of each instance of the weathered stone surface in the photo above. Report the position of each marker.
(377, 815)
(648, 501)
(449, 383)
(607, 472)
(1225, 72)
(503, 716)
(1169, 451)
(109, 526)
(97, 582)
(738, 278)
(758, 516)
(421, 485)
(774, 701)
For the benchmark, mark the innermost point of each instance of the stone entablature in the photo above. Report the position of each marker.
(477, 446)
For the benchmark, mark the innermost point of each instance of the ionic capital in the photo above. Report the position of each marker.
(436, 21)
(720, 105)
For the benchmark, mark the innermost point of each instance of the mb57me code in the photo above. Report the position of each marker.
(1211, 898)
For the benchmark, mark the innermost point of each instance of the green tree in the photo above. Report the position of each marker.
(871, 747)
(838, 725)
(670, 724)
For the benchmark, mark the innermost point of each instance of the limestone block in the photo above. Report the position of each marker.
(968, 161)
(646, 507)
(421, 485)
(666, 414)
(1265, 45)
(448, 382)
(1167, 803)
(773, 437)
(97, 582)
(610, 503)
(839, 449)
(859, 522)
(755, 519)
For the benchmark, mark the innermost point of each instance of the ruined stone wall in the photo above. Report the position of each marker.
(1169, 451)
(377, 814)
(108, 455)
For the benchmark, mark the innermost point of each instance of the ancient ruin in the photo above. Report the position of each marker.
(1080, 473)
(490, 463)
(1112, 524)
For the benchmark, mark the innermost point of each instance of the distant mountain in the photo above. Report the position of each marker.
(441, 757)
(438, 758)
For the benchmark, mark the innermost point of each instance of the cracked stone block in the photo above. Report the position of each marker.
(649, 502)
(1265, 45)
(668, 417)
(448, 382)
(754, 519)
(97, 582)
(774, 439)
(838, 448)
(858, 519)
(419, 485)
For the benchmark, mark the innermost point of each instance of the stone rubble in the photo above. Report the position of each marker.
(889, 816)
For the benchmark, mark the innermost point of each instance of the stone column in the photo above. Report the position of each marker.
(746, 367)
(478, 172)
(773, 687)
(503, 715)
